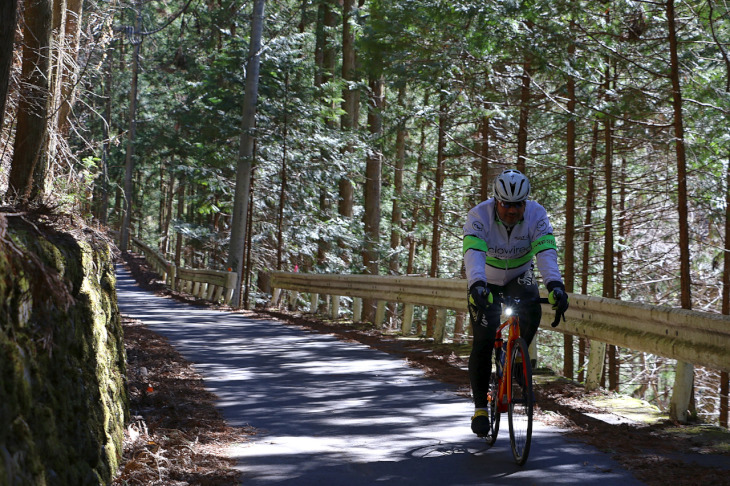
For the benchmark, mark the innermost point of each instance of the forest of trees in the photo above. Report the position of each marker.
(377, 126)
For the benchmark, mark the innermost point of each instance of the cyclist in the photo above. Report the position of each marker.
(501, 237)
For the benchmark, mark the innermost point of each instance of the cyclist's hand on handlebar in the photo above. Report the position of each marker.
(559, 300)
(480, 296)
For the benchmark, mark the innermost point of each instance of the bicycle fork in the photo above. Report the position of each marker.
(505, 385)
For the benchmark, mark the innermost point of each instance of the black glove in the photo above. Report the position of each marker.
(480, 296)
(559, 299)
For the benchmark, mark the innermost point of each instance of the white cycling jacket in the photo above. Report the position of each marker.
(494, 255)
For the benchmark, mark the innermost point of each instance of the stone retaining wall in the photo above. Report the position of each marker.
(63, 397)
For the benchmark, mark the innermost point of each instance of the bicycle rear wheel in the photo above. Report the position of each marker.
(520, 407)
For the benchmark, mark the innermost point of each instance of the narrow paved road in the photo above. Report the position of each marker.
(339, 413)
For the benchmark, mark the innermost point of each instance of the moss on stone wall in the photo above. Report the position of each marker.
(63, 398)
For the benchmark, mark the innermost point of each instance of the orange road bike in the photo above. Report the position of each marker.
(510, 388)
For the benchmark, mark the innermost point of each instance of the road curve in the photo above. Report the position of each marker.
(330, 412)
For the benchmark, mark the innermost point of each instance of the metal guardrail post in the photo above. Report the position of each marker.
(275, 297)
(681, 391)
(231, 281)
(439, 330)
(335, 306)
(314, 303)
(293, 297)
(380, 314)
(596, 357)
(407, 319)
(356, 309)
(170, 281)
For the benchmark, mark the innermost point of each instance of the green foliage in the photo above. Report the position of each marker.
(459, 61)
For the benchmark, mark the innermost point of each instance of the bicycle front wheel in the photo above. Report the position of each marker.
(494, 414)
(520, 406)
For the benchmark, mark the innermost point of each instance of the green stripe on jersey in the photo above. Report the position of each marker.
(474, 243)
(543, 243)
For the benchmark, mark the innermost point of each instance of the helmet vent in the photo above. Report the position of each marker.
(511, 186)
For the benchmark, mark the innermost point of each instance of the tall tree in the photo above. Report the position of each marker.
(373, 183)
(325, 58)
(103, 200)
(724, 378)
(374, 159)
(684, 371)
(70, 65)
(64, 70)
(180, 215)
(437, 204)
(524, 114)
(284, 180)
(416, 211)
(587, 226)
(484, 180)
(245, 153)
(348, 120)
(613, 351)
(166, 211)
(396, 219)
(725, 295)
(131, 135)
(57, 55)
(8, 11)
(32, 127)
(598, 349)
(570, 160)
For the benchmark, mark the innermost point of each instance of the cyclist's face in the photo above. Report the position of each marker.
(510, 213)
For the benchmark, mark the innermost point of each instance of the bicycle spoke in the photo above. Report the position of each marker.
(520, 407)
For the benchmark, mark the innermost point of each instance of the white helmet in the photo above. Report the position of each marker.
(511, 186)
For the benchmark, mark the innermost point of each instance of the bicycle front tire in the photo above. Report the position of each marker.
(521, 403)
(494, 413)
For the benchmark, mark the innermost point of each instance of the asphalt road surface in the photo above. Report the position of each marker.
(330, 412)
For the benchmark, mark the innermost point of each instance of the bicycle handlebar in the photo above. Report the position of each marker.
(502, 300)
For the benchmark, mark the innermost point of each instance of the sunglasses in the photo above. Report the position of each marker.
(508, 205)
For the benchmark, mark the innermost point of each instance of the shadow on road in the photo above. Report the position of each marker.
(334, 412)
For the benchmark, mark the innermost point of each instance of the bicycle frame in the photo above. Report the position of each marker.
(513, 388)
(504, 396)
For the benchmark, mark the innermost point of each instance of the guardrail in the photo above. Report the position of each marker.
(440, 293)
(212, 285)
(694, 337)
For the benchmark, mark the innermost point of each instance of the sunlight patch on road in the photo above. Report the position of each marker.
(368, 421)
(327, 367)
